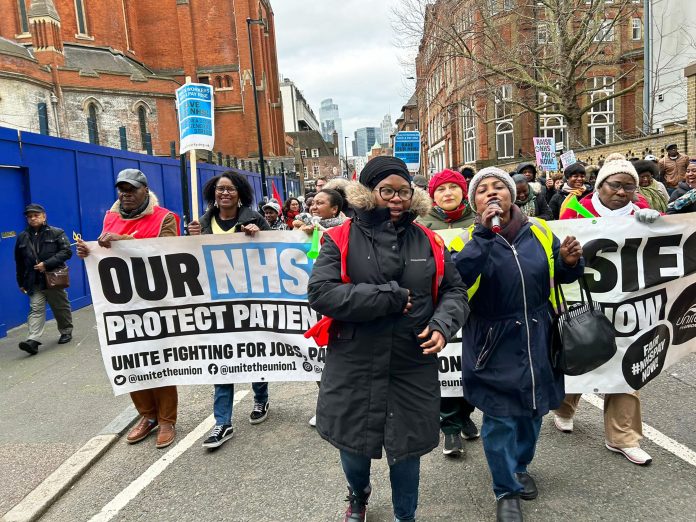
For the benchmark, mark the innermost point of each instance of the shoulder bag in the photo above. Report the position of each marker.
(56, 279)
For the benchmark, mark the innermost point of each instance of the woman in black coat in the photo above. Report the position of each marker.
(380, 385)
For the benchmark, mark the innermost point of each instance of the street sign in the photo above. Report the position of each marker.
(407, 147)
(196, 117)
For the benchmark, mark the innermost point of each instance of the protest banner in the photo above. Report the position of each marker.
(228, 308)
(545, 150)
(568, 158)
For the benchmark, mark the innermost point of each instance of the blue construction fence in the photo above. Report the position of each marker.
(74, 181)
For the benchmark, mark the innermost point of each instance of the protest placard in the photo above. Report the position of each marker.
(545, 150)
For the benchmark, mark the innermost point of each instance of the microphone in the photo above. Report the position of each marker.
(495, 220)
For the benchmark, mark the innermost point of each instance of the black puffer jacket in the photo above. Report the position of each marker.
(378, 389)
(52, 247)
(245, 216)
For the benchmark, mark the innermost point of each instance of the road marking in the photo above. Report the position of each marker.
(131, 491)
(675, 448)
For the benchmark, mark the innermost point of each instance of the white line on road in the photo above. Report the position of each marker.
(134, 488)
(659, 438)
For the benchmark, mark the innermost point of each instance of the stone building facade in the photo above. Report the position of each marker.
(93, 71)
(315, 158)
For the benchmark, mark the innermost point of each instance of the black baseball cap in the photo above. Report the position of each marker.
(133, 177)
(34, 207)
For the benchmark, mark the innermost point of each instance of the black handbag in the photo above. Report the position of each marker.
(582, 337)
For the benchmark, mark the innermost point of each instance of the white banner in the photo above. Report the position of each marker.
(228, 308)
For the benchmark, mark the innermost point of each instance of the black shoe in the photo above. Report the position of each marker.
(453, 445)
(65, 338)
(357, 505)
(259, 413)
(219, 435)
(530, 491)
(30, 346)
(509, 509)
(469, 430)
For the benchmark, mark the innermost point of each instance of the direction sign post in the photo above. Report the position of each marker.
(407, 147)
(196, 127)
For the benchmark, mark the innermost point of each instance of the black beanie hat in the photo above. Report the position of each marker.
(381, 167)
(575, 168)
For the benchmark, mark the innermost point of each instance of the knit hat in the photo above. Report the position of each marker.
(491, 172)
(616, 164)
(272, 205)
(447, 176)
(382, 167)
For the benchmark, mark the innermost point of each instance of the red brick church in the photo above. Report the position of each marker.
(99, 71)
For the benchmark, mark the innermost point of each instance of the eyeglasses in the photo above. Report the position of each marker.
(613, 185)
(387, 193)
(229, 190)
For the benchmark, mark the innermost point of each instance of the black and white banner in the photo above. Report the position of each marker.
(228, 308)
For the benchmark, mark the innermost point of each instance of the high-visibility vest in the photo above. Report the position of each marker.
(544, 235)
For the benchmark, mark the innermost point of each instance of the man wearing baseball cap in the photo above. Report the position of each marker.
(41, 247)
(137, 215)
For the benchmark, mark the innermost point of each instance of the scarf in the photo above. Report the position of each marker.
(290, 217)
(324, 223)
(278, 224)
(683, 201)
(528, 207)
(603, 211)
(566, 189)
(450, 216)
(134, 213)
(655, 198)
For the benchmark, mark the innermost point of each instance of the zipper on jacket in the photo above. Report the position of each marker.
(486, 349)
(526, 321)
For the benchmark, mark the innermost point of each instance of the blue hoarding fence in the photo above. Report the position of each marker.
(74, 181)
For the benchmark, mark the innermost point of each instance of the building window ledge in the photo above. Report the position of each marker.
(23, 35)
(87, 37)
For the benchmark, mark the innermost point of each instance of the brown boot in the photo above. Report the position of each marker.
(141, 430)
(166, 435)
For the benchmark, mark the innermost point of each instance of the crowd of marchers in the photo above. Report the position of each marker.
(392, 295)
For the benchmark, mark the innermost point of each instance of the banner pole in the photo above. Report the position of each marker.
(194, 178)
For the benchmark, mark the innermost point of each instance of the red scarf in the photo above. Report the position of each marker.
(451, 216)
(290, 217)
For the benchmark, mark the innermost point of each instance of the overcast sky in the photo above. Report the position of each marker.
(343, 49)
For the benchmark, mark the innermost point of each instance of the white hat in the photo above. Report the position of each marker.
(491, 172)
(616, 164)
(272, 205)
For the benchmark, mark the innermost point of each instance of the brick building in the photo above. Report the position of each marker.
(93, 71)
(314, 157)
(408, 120)
(466, 112)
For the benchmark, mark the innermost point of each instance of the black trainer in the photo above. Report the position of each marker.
(64, 338)
(259, 413)
(469, 430)
(357, 505)
(221, 433)
(453, 445)
(30, 346)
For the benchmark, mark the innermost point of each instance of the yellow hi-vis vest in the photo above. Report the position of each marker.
(541, 231)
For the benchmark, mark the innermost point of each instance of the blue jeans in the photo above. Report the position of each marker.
(509, 444)
(224, 397)
(404, 477)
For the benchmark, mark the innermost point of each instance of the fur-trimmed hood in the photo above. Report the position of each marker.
(361, 197)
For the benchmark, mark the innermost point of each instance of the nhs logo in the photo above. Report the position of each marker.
(253, 270)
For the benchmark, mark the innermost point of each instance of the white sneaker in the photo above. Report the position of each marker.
(635, 455)
(563, 424)
(313, 421)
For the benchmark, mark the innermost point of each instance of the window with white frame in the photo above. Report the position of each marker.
(542, 33)
(303, 153)
(315, 170)
(81, 17)
(503, 107)
(636, 29)
(508, 5)
(605, 32)
(504, 139)
(493, 7)
(306, 172)
(315, 153)
(552, 125)
(602, 115)
(469, 133)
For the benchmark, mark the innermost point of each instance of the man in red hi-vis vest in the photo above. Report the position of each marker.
(137, 215)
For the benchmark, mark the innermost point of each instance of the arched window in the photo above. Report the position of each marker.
(228, 81)
(142, 123)
(92, 124)
(218, 82)
(504, 140)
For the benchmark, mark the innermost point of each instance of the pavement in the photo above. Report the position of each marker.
(55, 403)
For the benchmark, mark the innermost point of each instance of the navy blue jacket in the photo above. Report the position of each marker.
(506, 368)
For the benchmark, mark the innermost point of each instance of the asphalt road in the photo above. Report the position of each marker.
(282, 470)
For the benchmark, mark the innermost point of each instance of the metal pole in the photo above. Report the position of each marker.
(256, 108)
(647, 69)
(345, 154)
